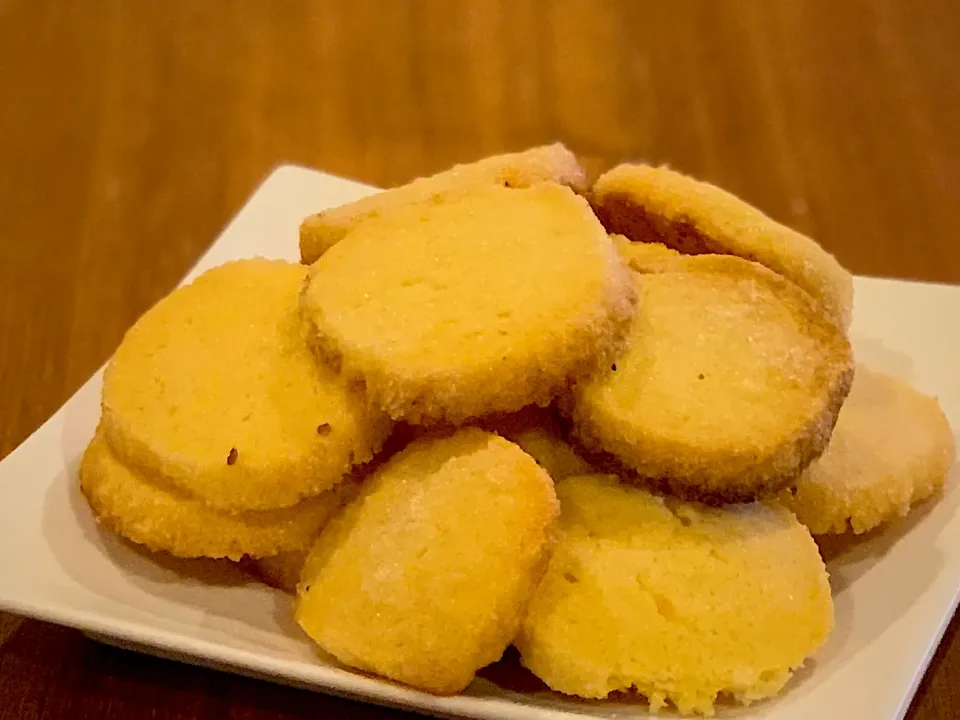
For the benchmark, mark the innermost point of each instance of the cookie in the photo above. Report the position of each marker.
(142, 509)
(484, 303)
(892, 448)
(215, 390)
(660, 205)
(729, 386)
(677, 601)
(424, 578)
(550, 163)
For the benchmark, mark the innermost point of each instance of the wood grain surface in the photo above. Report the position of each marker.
(131, 131)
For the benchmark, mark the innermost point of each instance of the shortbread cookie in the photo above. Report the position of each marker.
(656, 204)
(677, 601)
(424, 578)
(550, 163)
(215, 390)
(483, 303)
(161, 518)
(891, 449)
(729, 386)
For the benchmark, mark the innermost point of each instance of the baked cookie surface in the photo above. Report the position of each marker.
(656, 204)
(484, 303)
(728, 388)
(892, 448)
(675, 600)
(549, 163)
(425, 576)
(215, 390)
(165, 519)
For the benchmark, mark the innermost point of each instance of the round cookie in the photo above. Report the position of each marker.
(548, 163)
(678, 601)
(728, 388)
(215, 390)
(892, 447)
(480, 303)
(164, 519)
(656, 204)
(424, 577)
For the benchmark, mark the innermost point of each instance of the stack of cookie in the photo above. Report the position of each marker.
(502, 408)
(220, 436)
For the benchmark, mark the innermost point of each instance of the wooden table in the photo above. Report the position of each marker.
(131, 131)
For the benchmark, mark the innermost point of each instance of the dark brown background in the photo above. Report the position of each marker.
(131, 131)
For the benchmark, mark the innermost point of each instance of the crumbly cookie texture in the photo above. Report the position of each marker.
(549, 163)
(484, 303)
(728, 388)
(215, 390)
(674, 600)
(164, 519)
(892, 448)
(656, 204)
(425, 577)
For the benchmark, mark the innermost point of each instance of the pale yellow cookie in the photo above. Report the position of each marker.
(144, 510)
(424, 578)
(728, 388)
(483, 303)
(675, 600)
(215, 390)
(656, 204)
(550, 163)
(891, 449)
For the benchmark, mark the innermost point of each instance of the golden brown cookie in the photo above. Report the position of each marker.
(483, 303)
(550, 163)
(892, 448)
(215, 390)
(656, 204)
(675, 600)
(729, 386)
(425, 576)
(161, 518)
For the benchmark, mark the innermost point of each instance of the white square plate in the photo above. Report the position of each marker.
(894, 593)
